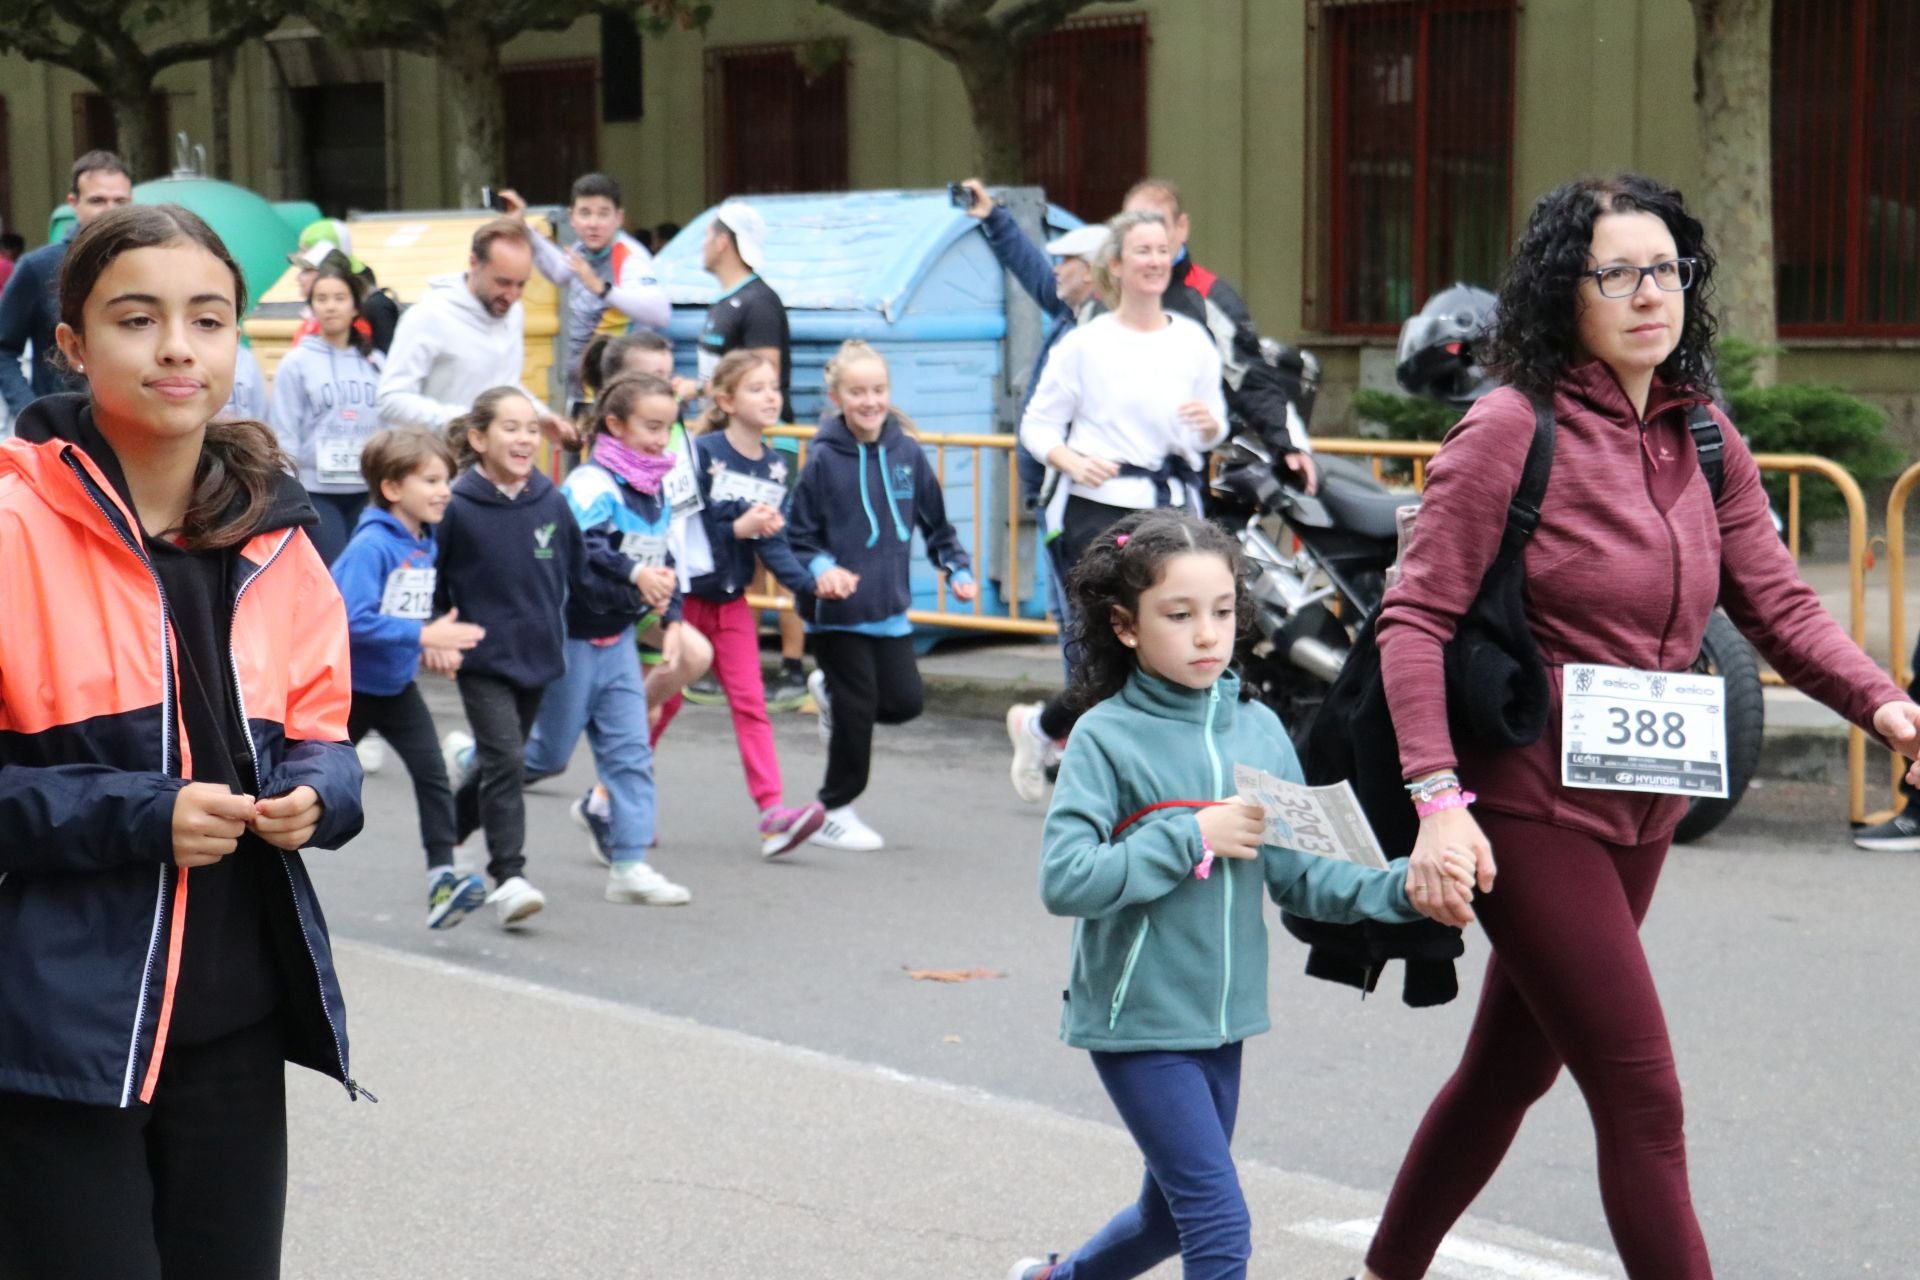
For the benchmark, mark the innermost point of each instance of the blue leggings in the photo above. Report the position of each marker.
(1180, 1108)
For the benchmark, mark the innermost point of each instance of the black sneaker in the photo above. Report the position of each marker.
(1899, 834)
(786, 691)
(705, 692)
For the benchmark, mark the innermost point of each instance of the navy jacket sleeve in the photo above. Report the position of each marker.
(603, 583)
(16, 329)
(1024, 260)
(84, 817)
(443, 541)
(806, 530)
(930, 510)
(776, 552)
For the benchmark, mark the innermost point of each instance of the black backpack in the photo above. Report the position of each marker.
(1497, 695)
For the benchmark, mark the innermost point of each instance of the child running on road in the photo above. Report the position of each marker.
(386, 577)
(1163, 869)
(615, 496)
(743, 484)
(866, 484)
(173, 722)
(509, 554)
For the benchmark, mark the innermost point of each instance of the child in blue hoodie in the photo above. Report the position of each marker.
(323, 403)
(1162, 870)
(386, 577)
(626, 524)
(866, 485)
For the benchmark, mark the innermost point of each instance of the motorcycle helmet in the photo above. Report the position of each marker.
(1436, 346)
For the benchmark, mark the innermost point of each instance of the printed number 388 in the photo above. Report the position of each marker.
(1644, 728)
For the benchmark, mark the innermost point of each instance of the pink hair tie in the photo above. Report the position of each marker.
(1205, 867)
(1121, 541)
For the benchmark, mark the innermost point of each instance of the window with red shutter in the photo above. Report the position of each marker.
(552, 135)
(1083, 113)
(776, 120)
(1416, 187)
(1846, 167)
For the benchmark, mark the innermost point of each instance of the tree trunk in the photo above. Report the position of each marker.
(989, 74)
(137, 135)
(472, 64)
(1733, 42)
(221, 70)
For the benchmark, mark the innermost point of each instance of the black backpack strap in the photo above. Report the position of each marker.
(1523, 513)
(1709, 446)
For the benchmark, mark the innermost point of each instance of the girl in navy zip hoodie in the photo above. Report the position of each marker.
(386, 577)
(866, 485)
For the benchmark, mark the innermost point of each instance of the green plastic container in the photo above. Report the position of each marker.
(257, 234)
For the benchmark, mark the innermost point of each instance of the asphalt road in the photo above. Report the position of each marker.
(1778, 948)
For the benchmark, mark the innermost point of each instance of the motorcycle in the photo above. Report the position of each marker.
(1319, 566)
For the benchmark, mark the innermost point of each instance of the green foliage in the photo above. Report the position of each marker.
(1806, 417)
(1405, 417)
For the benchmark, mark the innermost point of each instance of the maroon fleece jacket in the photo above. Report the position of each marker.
(1624, 569)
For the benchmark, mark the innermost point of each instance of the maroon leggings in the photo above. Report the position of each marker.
(1567, 984)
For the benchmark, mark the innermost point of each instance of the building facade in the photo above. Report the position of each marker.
(1341, 159)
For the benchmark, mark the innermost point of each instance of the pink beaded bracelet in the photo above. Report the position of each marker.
(1452, 800)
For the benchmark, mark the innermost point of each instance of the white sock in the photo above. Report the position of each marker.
(434, 874)
(599, 804)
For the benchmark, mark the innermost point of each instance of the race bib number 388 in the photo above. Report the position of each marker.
(1655, 731)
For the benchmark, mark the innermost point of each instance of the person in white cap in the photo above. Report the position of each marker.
(748, 314)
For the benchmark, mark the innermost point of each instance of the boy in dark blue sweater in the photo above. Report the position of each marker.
(386, 577)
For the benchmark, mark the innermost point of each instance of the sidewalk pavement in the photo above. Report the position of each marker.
(524, 1131)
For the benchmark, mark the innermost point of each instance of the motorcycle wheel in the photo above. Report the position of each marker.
(1725, 652)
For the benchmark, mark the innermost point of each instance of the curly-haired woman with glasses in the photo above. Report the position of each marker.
(1605, 313)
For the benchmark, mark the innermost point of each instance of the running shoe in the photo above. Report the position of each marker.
(515, 900)
(456, 753)
(1028, 769)
(1899, 834)
(372, 752)
(783, 829)
(638, 882)
(704, 692)
(842, 829)
(599, 829)
(787, 690)
(452, 897)
(1033, 1268)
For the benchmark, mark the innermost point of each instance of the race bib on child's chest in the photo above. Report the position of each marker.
(337, 459)
(409, 594)
(1655, 731)
(649, 549)
(681, 487)
(738, 486)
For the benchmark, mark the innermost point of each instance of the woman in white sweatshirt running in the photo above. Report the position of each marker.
(323, 406)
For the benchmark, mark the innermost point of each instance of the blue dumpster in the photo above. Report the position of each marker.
(908, 273)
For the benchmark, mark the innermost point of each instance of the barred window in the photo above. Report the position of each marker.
(776, 119)
(552, 134)
(1083, 107)
(1417, 129)
(1846, 167)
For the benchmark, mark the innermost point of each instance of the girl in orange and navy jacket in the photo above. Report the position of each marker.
(173, 706)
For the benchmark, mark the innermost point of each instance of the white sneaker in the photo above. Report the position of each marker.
(642, 884)
(1029, 767)
(515, 900)
(817, 686)
(843, 830)
(456, 753)
(372, 752)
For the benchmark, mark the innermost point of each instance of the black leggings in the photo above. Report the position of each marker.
(870, 679)
(190, 1187)
(1082, 522)
(1568, 985)
(501, 714)
(403, 720)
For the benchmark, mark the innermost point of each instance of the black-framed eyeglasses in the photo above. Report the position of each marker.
(1675, 275)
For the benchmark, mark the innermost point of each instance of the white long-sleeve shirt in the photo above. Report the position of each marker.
(1118, 392)
(447, 349)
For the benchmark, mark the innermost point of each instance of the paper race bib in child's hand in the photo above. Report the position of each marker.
(737, 486)
(1326, 822)
(409, 594)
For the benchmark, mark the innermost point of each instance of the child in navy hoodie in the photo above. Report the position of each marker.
(510, 554)
(866, 484)
(386, 576)
(742, 482)
(626, 523)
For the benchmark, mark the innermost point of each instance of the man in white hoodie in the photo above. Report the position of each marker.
(466, 335)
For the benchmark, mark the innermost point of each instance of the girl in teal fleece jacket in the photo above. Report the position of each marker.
(1165, 881)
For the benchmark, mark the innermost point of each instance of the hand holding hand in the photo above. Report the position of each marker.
(1233, 828)
(966, 591)
(448, 632)
(288, 821)
(835, 584)
(656, 585)
(758, 521)
(1899, 724)
(1450, 856)
(208, 821)
(445, 662)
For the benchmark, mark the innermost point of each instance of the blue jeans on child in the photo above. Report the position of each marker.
(603, 694)
(1180, 1108)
